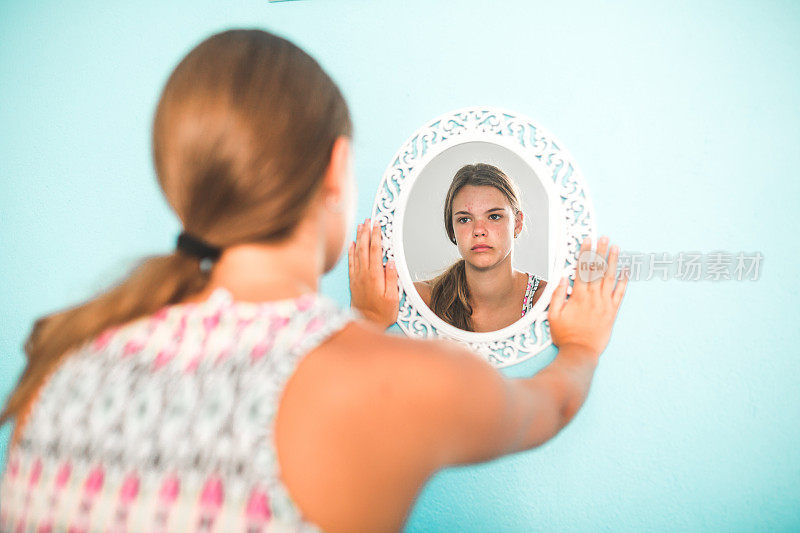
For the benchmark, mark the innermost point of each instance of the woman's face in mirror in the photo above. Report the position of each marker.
(484, 225)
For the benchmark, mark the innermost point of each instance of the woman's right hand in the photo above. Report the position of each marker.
(373, 286)
(586, 318)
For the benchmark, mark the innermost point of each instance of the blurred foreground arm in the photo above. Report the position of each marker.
(391, 411)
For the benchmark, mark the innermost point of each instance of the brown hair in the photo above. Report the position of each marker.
(242, 136)
(449, 291)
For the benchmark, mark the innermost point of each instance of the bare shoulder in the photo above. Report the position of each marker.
(424, 290)
(367, 418)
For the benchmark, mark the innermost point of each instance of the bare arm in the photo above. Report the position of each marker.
(557, 393)
(478, 414)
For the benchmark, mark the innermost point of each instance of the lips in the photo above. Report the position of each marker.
(480, 247)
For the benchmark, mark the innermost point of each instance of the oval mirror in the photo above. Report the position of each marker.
(483, 198)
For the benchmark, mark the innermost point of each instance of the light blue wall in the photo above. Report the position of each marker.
(684, 117)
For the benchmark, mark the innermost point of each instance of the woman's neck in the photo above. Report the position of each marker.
(491, 287)
(260, 272)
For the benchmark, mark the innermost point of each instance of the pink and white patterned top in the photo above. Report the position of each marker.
(167, 423)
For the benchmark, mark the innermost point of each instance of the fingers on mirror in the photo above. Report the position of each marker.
(614, 282)
(597, 270)
(619, 290)
(580, 283)
(611, 285)
(362, 246)
(351, 258)
(391, 290)
(355, 247)
(598, 265)
(375, 248)
(610, 277)
(558, 299)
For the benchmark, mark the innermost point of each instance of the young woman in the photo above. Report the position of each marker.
(237, 398)
(482, 291)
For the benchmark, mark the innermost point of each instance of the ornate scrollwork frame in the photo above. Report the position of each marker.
(570, 205)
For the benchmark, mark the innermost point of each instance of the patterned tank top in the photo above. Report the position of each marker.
(167, 423)
(533, 284)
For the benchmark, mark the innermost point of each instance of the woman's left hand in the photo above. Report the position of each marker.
(373, 286)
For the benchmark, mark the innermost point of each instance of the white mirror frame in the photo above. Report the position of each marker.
(571, 211)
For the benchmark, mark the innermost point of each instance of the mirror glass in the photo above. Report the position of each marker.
(429, 251)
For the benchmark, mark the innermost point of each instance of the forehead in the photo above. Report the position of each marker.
(477, 198)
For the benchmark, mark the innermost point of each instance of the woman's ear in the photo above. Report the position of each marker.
(519, 223)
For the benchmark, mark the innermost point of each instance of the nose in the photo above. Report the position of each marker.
(479, 230)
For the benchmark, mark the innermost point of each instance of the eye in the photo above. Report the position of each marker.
(462, 220)
(499, 216)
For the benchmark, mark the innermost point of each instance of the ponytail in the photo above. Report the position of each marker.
(242, 136)
(450, 297)
(156, 282)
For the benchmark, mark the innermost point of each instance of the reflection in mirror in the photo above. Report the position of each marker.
(475, 235)
(557, 214)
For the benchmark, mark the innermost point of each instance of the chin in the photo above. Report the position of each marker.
(486, 260)
(483, 262)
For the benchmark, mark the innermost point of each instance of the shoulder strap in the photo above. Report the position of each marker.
(533, 284)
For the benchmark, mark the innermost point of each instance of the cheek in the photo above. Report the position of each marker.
(461, 235)
(505, 232)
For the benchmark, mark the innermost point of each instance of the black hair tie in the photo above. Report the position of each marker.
(197, 247)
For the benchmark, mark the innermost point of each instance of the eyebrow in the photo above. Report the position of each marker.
(488, 211)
